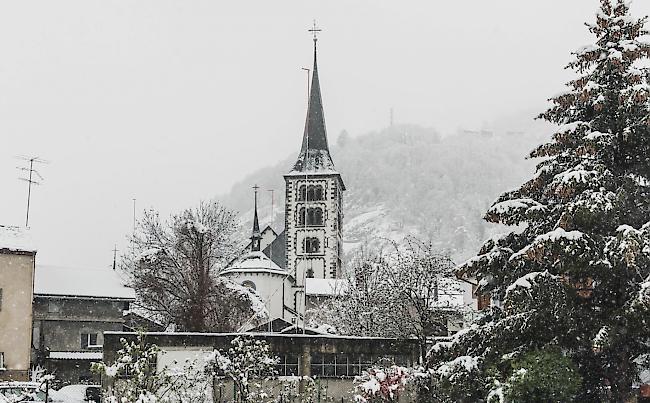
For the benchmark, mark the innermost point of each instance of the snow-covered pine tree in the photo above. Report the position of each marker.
(575, 274)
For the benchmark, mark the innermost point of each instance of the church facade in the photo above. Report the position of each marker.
(306, 255)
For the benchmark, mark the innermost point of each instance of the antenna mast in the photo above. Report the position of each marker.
(30, 172)
(272, 224)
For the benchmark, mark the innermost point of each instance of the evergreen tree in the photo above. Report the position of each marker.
(575, 274)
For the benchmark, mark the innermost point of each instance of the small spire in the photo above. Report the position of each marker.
(257, 235)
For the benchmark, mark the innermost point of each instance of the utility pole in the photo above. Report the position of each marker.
(133, 234)
(308, 75)
(114, 257)
(30, 173)
(272, 191)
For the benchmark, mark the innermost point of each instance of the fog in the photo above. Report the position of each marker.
(171, 102)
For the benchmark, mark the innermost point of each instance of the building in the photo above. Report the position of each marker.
(17, 259)
(72, 310)
(257, 271)
(313, 200)
(333, 361)
(280, 266)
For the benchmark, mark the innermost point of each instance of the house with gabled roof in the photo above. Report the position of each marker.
(73, 307)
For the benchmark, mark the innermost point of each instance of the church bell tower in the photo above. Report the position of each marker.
(314, 194)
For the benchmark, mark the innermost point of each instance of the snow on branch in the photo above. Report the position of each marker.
(554, 248)
(526, 281)
(512, 212)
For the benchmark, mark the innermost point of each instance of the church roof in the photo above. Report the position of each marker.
(254, 262)
(326, 286)
(314, 157)
(277, 250)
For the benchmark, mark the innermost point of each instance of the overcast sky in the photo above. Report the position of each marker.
(171, 102)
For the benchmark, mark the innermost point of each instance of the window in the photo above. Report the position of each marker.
(287, 365)
(89, 340)
(311, 193)
(54, 306)
(339, 365)
(314, 216)
(249, 284)
(483, 301)
(2, 361)
(311, 245)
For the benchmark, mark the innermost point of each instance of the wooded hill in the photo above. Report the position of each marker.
(409, 180)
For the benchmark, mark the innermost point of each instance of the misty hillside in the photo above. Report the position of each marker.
(408, 180)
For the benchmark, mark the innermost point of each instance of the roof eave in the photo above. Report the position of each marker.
(72, 296)
(10, 251)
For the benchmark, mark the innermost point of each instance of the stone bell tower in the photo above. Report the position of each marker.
(314, 194)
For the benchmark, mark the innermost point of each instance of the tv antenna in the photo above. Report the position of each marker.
(33, 177)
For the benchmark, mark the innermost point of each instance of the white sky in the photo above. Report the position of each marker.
(171, 102)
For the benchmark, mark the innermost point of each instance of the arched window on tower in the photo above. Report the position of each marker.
(314, 193)
(311, 245)
(311, 193)
(314, 216)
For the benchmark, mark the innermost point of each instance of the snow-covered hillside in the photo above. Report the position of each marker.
(408, 180)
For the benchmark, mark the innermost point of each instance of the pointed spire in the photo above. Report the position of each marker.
(314, 153)
(315, 135)
(257, 235)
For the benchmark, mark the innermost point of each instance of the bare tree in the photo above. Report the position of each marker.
(364, 306)
(174, 270)
(404, 293)
(423, 280)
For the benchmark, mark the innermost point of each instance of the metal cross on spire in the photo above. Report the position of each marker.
(315, 30)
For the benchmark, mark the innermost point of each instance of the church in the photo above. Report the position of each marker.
(292, 270)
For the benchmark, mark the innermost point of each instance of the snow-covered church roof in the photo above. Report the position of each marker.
(329, 287)
(254, 262)
(16, 239)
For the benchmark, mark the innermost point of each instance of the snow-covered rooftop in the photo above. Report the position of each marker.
(76, 355)
(254, 262)
(314, 162)
(325, 286)
(80, 282)
(16, 239)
